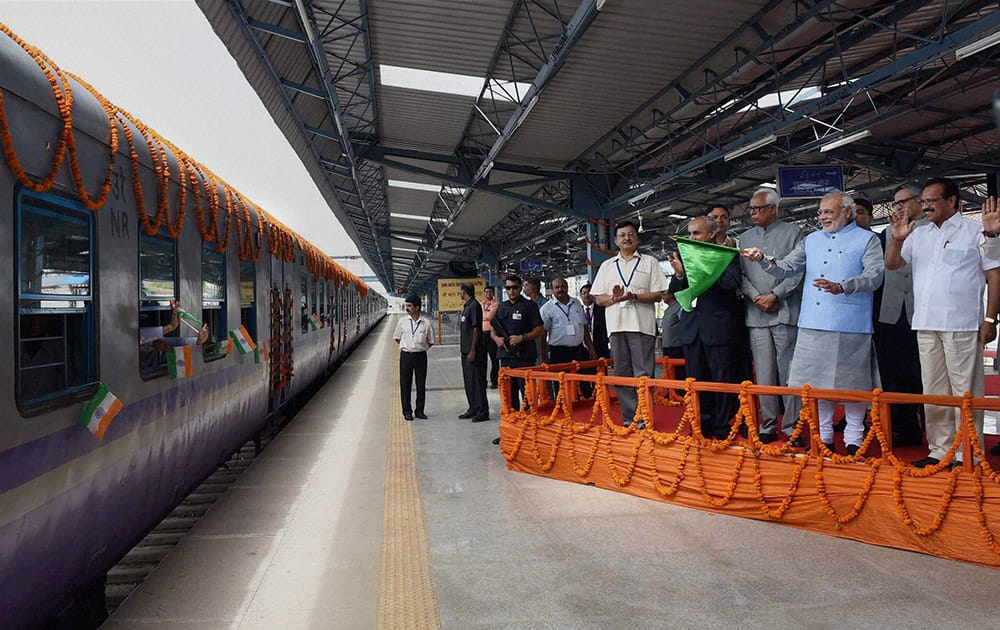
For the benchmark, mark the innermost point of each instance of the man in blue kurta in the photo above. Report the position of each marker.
(843, 266)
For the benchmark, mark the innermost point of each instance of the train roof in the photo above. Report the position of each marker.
(79, 108)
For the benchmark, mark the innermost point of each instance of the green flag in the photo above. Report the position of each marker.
(703, 265)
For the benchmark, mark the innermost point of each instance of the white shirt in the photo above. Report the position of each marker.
(414, 335)
(640, 274)
(948, 274)
(564, 322)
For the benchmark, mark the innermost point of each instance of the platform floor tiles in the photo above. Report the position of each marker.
(353, 518)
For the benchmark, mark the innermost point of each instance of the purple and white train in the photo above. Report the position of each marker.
(82, 281)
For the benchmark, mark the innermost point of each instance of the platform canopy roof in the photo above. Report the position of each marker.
(494, 131)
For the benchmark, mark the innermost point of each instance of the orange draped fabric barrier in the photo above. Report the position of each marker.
(950, 512)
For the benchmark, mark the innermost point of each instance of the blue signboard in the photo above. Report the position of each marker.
(531, 264)
(809, 181)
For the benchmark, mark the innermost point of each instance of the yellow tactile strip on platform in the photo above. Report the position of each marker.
(407, 597)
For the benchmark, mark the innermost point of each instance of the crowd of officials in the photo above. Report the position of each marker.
(839, 308)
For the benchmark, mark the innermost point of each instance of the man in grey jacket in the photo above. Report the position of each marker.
(772, 309)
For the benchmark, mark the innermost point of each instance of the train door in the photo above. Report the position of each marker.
(281, 339)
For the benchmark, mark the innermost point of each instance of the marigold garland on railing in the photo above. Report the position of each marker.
(687, 436)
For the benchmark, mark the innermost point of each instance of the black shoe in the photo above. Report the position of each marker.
(481, 419)
(767, 438)
(496, 440)
(799, 442)
(465, 416)
(744, 434)
(838, 427)
(831, 446)
(995, 449)
(407, 416)
(420, 414)
(927, 461)
(852, 449)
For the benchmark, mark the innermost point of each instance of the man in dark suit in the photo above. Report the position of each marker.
(711, 334)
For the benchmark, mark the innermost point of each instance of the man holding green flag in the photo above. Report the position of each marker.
(706, 283)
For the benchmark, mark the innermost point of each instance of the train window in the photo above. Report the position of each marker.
(304, 298)
(213, 299)
(157, 288)
(56, 324)
(248, 297)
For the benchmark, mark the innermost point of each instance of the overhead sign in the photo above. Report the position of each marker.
(531, 264)
(450, 293)
(809, 181)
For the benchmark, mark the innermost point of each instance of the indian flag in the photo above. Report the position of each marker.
(100, 411)
(191, 319)
(179, 363)
(241, 340)
(260, 352)
(315, 322)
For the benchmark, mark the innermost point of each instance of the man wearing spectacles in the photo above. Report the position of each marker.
(949, 275)
(895, 341)
(771, 310)
(629, 285)
(833, 348)
(518, 321)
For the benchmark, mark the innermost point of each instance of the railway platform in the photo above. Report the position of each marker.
(355, 518)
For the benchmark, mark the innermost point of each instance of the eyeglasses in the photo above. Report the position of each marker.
(900, 202)
(512, 287)
(929, 201)
(758, 209)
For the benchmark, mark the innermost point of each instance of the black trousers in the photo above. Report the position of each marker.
(410, 364)
(676, 352)
(719, 364)
(491, 351)
(899, 369)
(516, 384)
(561, 354)
(474, 379)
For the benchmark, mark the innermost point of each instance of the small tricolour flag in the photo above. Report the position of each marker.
(315, 322)
(100, 411)
(179, 363)
(260, 352)
(191, 319)
(241, 340)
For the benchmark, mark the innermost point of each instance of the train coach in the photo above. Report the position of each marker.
(137, 275)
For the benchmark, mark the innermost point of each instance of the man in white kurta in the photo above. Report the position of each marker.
(629, 286)
(949, 274)
(833, 350)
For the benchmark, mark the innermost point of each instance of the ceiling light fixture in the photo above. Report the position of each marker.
(753, 146)
(845, 140)
(977, 46)
(643, 196)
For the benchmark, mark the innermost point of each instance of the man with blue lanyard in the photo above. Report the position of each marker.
(566, 325)
(415, 336)
(629, 286)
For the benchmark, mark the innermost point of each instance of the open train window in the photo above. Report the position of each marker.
(56, 331)
(248, 297)
(157, 289)
(213, 300)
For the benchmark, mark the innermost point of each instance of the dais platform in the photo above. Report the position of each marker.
(354, 518)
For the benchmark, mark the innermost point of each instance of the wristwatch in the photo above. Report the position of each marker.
(990, 320)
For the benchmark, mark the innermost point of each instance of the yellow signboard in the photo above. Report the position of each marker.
(450, 294)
